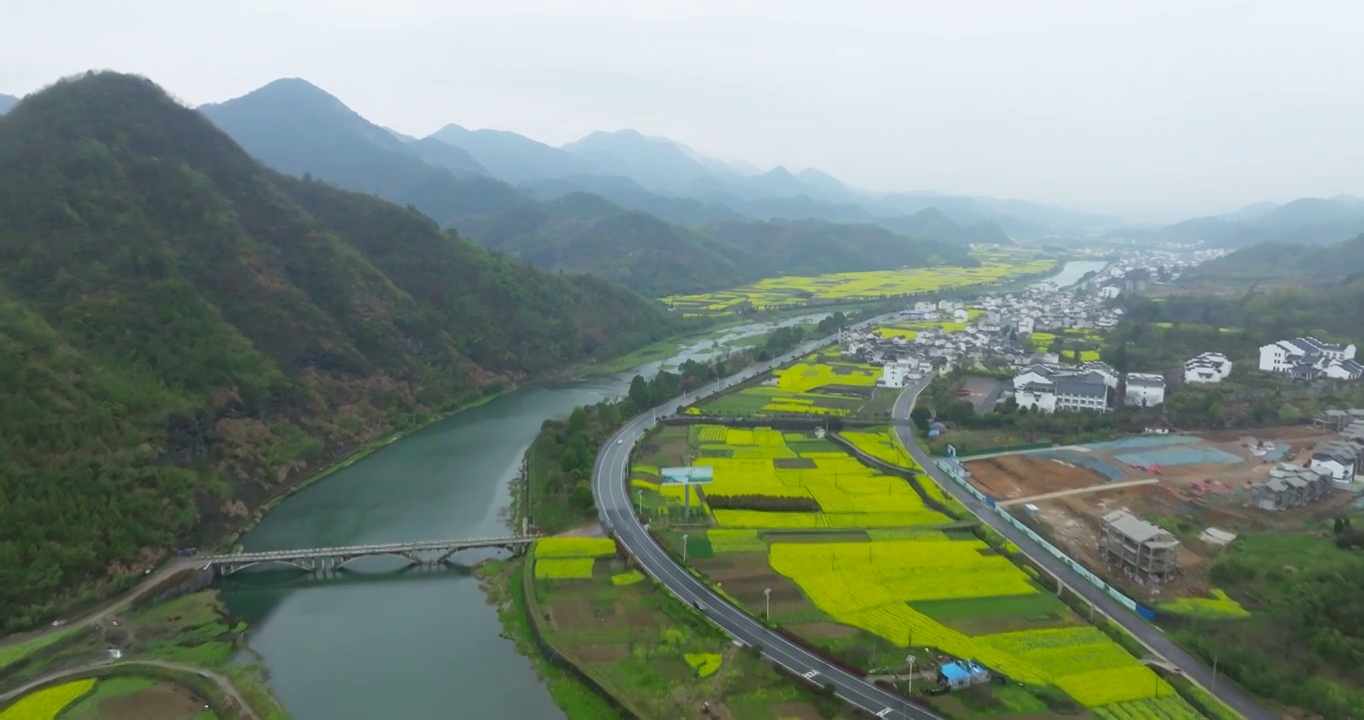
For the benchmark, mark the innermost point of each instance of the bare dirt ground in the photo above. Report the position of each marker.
(1014, 476)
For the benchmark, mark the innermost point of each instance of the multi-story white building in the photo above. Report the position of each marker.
(1049, 388)
(1209, 367)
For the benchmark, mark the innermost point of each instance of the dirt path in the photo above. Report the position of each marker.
(1079, 491)
(235, 699)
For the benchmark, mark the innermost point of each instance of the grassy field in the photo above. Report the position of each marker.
(194, 629)
(858, 286)
(655, 655)
(873, 571)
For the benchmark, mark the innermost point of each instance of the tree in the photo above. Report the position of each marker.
(920, 416)
(1289, 414)
(640, 396)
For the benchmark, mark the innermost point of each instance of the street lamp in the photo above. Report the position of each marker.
(767, 593)
(910, 659)
(640, 494)
(684, 549)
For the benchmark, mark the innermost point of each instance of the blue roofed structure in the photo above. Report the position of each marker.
(963, 674)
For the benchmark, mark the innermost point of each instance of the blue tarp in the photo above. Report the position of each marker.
(1179, 455)
(959, 672)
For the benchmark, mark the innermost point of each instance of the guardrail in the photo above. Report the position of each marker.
(954, 470)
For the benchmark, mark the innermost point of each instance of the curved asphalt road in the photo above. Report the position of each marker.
(1238, 699)
(618, 517)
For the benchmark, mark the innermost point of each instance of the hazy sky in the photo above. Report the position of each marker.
(1149, 108)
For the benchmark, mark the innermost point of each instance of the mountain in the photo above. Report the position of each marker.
(1281, 263)
(297, 128)
(812, 247)
(655, 163)
(629, 194)
(582, 232)
(586, 233)
(1319, 221)
(187, 333)
(7, 102)
(442, 154)
(1019, 218)
(515, 158)
(933, 224)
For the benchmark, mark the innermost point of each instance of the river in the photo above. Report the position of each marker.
(384, 641)
(1072, 271)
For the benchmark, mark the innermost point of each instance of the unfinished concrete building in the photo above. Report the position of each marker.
(1143, 550)
(1290, 486)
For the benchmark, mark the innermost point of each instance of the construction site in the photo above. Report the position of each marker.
(1150, 510)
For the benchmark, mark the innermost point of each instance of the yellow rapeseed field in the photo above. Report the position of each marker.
(806, 376)
(45, 704)
(564, 568)
(705, 664)
(574, 547)
(801, 290)
(870, 586)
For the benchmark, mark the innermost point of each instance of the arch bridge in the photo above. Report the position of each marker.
(426, 552)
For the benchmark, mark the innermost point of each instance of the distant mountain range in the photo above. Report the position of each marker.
(7, 102)
(1310, 221)
(607, 224)
(665, 177)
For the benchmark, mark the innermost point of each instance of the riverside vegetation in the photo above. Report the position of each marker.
(187, 333)
(159, 643)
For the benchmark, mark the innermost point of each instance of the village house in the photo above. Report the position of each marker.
(1290, 486)
(1052, 388)
(1209, 367)
(1338, 459)
(1145, 389)
(1307, 358)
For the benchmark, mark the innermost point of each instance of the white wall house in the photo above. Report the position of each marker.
(1209, 367)
(1339, 460)
(1049, 388)
(1344, 370)
(898, 373)
(1287, 355)
(1145, 389)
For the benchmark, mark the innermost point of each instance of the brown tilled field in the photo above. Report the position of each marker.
(1013, 476)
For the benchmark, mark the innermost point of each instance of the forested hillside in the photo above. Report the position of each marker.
(582, 232)
(1283, 263)
(184, 333)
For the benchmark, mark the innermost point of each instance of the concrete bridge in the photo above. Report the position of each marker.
(427, 552)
